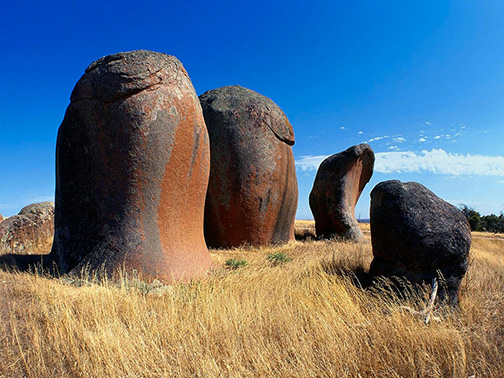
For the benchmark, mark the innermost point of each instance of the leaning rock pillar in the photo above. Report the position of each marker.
(340, 180)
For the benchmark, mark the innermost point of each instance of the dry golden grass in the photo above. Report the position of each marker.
(305, 230)
(304, 318)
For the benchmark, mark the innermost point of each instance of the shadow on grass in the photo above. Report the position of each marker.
(398, 290)
(358, 275)
(25, 263)
(305, 234)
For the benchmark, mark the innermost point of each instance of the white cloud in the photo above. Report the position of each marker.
(440, 162)
(422, 140)
(399, 140)
(309, 162)
(427, 123)
(343, 128)
(373, 139)
(445, 136)
(436, 161)
(378, 138)
(360, 132)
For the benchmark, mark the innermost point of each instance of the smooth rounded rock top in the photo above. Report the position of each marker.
(30, 232)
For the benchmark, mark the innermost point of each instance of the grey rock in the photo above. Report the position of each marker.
(415, 234)
(30, 232)
(340, 180)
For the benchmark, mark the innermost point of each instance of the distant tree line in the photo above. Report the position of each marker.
(487, 223)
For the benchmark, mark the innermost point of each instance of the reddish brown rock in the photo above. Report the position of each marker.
(30, 232)
(1, 218)
(338, 185)
(252, 193)
(132, 166)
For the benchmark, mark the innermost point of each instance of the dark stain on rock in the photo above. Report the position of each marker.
(124, 126)
(252, 175)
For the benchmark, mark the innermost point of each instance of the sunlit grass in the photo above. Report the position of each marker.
(307, 317)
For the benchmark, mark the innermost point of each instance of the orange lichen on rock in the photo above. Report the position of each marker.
(252, 193)
(132, 166)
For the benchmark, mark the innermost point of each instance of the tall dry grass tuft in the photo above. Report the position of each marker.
(307, 317)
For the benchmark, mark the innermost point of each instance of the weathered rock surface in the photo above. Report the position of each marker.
(252, 193)
(30, 232)
(338, 185)
(1, 218)
(132, 166)
(415, 233)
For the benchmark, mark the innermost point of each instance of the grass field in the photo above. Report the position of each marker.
(306, 317)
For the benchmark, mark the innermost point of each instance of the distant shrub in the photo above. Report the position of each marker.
(235, 263)
(488, 223)
(278, 258)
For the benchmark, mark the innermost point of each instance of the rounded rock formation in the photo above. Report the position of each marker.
(132, 166)
(252, 193)
(414, 234)
(339, 182)
(30, 232)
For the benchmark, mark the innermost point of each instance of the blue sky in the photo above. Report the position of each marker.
(422, 82)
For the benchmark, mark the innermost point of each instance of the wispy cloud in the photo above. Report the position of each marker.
(436, 161)
(378, 138)
(443, 136)
(310, 162)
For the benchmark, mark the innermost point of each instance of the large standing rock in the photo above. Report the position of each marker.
(132, 166)
(415, 233)
(338, 185)
(252, 193)
(1, 218)
(30, 232)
